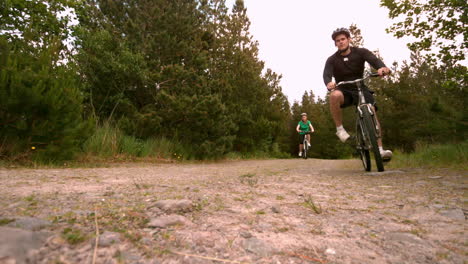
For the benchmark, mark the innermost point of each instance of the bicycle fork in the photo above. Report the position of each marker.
(368, 107)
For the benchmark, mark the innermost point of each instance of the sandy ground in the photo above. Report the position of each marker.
(272, 211)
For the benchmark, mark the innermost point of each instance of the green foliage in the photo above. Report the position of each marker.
(421, 103)
(180, 69)
(40, 106)
(30, 25)
(356, 36)
(439, 24)
(181, 79)
(434, 156)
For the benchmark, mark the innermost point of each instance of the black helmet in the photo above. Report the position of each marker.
(340, 31)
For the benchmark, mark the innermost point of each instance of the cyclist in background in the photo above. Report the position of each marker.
(302, 127)
(347, 64)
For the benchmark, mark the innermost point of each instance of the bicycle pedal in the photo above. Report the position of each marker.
(351, 141)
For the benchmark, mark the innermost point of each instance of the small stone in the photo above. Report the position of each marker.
(435, 177)
(245, 234)
(438, 206)
(330, 251)
(257, 247)
(55, 242)
(83, 212)
(108, 238)
(275, 209)
(129, 257)
(455, 214)
(173, 206)
(167, 220)
(146, 241)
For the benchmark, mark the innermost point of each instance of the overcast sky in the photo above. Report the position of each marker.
(295, 37)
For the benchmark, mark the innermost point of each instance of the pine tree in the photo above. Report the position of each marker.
(41, 107)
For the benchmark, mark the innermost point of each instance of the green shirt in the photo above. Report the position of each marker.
(304, 126)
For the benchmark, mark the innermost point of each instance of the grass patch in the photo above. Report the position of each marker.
(309, 203)
(6, 221)
(73, 236)
(279, 197)
(433, 156)
(108, 141)
(249, 178)
(282, 230)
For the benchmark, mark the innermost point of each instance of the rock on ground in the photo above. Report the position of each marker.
(257, 247)
(108, 238)
(455, 214)
(168, 220)
(29, 223)
(174, 206)
(405, 238)
(15, 244)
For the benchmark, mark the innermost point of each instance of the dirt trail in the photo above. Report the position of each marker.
(272, 211)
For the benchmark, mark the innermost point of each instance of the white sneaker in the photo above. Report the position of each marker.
(342, 135)
(386, 154)
(300, 154)
(308, 144)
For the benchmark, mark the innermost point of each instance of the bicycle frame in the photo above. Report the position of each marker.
(363, 105)
(305, 143)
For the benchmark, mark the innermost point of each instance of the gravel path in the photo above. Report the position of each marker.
(271, 211)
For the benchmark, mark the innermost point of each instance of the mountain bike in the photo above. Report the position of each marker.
(305, 144)
(367, 128)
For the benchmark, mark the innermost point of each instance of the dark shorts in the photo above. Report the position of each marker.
(351, 97)
(301, 139)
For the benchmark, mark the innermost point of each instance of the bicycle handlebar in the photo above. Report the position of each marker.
(358, 80)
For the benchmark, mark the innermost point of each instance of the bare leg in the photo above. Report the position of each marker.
(301, 147)
(336, 100)
(308, 138)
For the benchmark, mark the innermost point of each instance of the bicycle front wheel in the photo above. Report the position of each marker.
(361, 148)
(371, 130)
(306, 149)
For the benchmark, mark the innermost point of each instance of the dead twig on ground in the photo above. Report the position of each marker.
(292, 254)
(97, 236)
(207, 258)
(453, 249)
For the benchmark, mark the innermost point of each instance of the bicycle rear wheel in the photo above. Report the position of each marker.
(361, 148)
(372, 136)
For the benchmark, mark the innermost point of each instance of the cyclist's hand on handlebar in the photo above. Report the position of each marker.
(383, 71)
(331, 86)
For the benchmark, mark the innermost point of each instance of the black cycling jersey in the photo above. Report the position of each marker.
(351, 66)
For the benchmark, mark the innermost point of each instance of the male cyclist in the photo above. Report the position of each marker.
(302, 127)
(347, 64)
